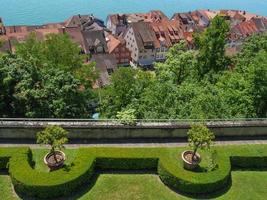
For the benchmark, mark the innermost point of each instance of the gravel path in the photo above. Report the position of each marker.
(139, 144)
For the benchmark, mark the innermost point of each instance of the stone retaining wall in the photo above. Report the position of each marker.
(86, 129)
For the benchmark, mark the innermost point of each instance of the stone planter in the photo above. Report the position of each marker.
(50, 161)
(190, 165)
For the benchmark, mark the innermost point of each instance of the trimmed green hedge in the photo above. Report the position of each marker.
(166, 162)
(33, 183)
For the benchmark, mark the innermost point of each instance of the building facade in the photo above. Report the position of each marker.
(140, 41)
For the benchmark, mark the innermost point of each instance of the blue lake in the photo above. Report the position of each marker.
(29, 12)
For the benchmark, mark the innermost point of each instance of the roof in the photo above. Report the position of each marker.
(143, 34)
(103, 63)
(94, 38)
(76, 35)
(248, 28)
(124, 19)
(85, 22)
(112, 43)
(166, 33)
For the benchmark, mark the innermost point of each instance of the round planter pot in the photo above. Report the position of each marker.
(50, 161)
(190, 165)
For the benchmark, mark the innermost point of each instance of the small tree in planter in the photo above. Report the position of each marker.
(199, 137)
(56, 137)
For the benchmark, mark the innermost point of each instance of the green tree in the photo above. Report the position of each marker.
(28, 91)
(251, 64)
(211, 46)
(126, 86)
(234, 90)
(199, 137)
(54, 136)
(251, 47)
(179, 66)
(158, 101)
(32, 50)
(57, 51)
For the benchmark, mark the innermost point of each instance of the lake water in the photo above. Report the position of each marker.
(29, 12)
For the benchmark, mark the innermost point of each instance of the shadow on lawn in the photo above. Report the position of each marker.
(205, 196)
(87, 187)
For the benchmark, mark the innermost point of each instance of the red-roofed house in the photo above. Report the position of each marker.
(117, 47)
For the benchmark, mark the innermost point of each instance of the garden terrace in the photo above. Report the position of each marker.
(30, 180)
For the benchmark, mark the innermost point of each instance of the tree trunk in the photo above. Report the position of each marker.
(194, 154)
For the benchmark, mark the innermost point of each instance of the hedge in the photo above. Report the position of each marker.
(166, 162)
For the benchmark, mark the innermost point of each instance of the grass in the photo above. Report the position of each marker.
(246, 185)
(6, 191)
(38, 155)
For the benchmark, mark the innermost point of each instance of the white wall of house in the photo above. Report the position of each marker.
(139, 57)
(132, 45)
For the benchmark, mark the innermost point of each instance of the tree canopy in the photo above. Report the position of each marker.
(196, 84)
(28, 91)
(211, 47)
(57, 51)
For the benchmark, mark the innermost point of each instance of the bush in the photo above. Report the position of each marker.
(127, 117)
(33, 183)
(28, 181)
(249, 162)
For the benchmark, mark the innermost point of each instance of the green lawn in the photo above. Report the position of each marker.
(247, 185)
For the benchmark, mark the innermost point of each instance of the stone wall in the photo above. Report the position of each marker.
(86, 129)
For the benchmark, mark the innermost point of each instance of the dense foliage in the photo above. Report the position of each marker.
(57, 51)
(29, 91)
(46, 79)
(49, 78)
(196, 84)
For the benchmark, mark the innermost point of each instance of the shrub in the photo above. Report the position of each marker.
(199, 136)
(54, 136)
(37, 184)
(127, 117)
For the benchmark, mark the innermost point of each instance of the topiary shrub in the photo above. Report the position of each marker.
(199, 137)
